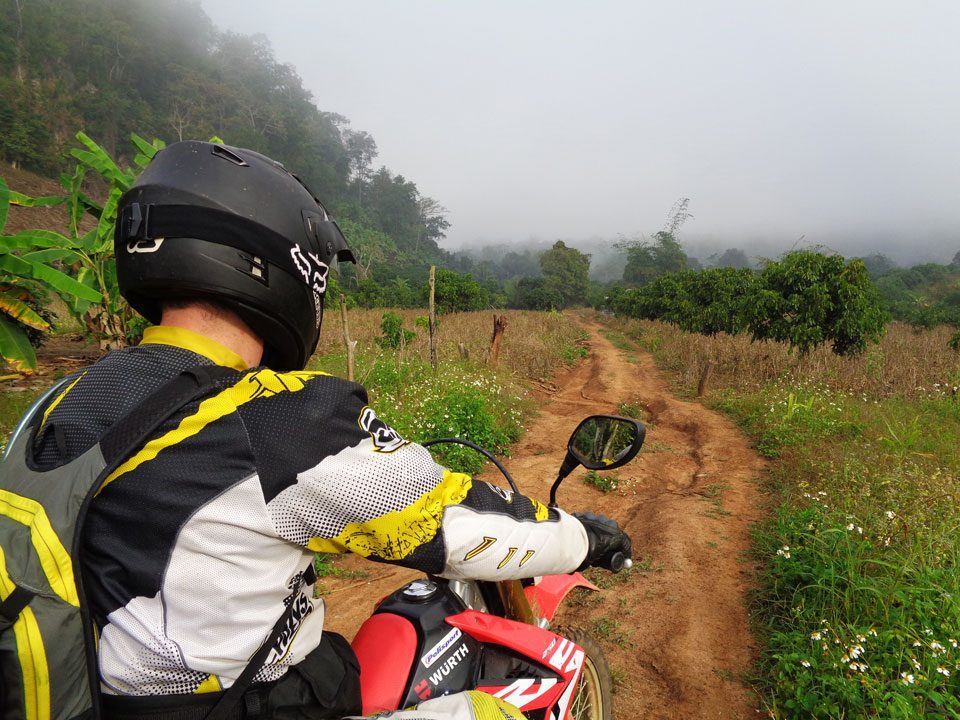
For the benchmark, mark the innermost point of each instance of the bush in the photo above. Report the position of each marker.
(392, 333)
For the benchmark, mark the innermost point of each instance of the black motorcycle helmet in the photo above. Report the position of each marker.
(211, 222)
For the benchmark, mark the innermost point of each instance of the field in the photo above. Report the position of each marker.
(850, 573)
(856, 600)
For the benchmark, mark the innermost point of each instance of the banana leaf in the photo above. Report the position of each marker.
(40, 239)
(15, 348)
(53, 254)
(22, 200)
(97, 158)
(73, 184)
(54, 279)
(77, 305)
(147, 150)
(4, 203)
(88, 240)
(20, 311)
(108, 220)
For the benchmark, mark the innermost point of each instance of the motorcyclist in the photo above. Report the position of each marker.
(195, 546)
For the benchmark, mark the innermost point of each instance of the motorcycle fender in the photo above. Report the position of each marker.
(386, 646)
(548, 592)
(557, 653)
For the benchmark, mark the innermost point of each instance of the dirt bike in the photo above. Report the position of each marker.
(435, 636)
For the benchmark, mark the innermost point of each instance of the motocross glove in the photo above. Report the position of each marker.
(606, 541)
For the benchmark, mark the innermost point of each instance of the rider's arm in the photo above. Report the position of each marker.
(360, 487)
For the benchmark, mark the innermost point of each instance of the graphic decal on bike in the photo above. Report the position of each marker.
(487, 542)
(456, 657)
(423, 690)
(567, 658)
(525, 691)
(437, 651)
(530, 554)
(385, 438)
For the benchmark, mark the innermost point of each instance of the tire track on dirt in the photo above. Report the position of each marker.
(678, 630)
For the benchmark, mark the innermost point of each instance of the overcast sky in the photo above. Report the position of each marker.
(837, 121)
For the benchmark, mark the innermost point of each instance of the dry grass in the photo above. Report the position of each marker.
(534, 345)
(905, 363)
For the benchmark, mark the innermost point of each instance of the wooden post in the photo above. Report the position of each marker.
(350, 344)
(433, 318)
(499, 325)
(464, 353)
(705, 378)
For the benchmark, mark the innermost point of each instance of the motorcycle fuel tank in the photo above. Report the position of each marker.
(409, 653)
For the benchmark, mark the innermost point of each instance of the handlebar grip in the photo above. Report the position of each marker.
(615, 562)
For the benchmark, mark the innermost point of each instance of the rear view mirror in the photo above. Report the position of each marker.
(600, 442)
(604, 442)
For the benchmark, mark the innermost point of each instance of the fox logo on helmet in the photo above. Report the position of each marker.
(313, 270)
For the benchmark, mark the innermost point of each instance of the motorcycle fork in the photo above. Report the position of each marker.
(515, 603)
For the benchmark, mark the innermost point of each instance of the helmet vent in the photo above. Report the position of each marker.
(222, 152)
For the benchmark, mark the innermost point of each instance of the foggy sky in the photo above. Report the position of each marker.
(834, 121)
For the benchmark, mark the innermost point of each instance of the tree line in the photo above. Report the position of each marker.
(111, 68)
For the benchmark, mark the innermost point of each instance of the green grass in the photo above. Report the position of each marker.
(606, 483)
(12, 407)
(466, 400)
(857, 605)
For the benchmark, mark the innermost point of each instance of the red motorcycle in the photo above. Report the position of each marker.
(435, 636)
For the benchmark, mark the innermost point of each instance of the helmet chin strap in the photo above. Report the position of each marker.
(218, 324)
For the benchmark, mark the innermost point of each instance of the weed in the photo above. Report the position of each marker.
(618, 677)
(605, 579)
(632, 410)
(659, 446)
(609, 630)
(571, 353)
(327, 565)
(606, 483)
(724, 674)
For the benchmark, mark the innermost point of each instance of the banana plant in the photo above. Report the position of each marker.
(24, 258)
(90, 290)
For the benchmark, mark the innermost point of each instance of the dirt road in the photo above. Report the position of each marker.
(674, 629)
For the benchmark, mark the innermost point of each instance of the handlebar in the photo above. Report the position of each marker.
(616, 562)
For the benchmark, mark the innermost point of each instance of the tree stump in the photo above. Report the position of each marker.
(499, 325)
(705, 378)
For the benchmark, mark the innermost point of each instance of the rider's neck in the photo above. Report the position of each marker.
(218, 324)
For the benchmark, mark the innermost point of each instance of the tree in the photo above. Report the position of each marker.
(458, 293)
(731, 257)
(648, 260)
(877, 265)
(535, 294)
(808, 299)
(566, 271)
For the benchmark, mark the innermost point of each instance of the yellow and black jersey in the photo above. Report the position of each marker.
(197, 542)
